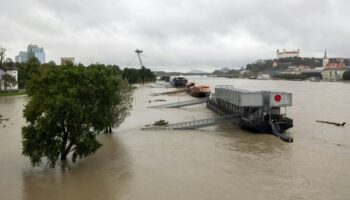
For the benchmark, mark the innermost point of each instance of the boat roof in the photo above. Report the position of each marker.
(232, 88)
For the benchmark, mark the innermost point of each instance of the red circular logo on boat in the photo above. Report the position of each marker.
(278, 97)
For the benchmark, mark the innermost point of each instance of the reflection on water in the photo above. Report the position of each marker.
(221, 162)
(97, 177)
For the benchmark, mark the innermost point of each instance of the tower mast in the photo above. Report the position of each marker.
(138, 51)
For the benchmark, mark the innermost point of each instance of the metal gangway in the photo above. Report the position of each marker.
(181, 103)
(276, 130)
(232, 118)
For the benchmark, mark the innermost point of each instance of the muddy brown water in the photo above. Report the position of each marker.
(221, 162)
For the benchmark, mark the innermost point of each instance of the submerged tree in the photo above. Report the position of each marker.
(68, 108)
(119, 111)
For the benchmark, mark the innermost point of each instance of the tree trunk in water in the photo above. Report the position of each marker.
(108, 129)
(63, 156)
(63, 147)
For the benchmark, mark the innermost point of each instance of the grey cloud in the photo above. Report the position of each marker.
(203, 34)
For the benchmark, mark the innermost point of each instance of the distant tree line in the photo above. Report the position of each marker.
(33, 67)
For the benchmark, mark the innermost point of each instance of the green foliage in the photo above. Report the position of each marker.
(260, 67)
(292, 76)
(68, 108)
(26, 71)
(11, 93)
(346, 75)
(139, 75)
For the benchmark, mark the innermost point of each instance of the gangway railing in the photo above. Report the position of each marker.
(197, 123)
(181, 103)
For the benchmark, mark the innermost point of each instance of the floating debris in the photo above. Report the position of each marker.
(161, 122)
(156, 100)
(170, 92)
(332, 123)
(3, 120)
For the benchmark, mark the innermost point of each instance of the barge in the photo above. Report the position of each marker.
(178, 81)
(258, 111)
(199, 91)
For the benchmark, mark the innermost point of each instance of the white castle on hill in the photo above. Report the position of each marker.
(287, 54)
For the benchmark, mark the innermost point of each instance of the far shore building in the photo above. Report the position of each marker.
(287, 54)
(12, 71)
(333, 71)
(325, 60)
(312, 73)
(67, 60)
(32, 51)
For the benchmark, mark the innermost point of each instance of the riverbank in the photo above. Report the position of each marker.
(12, 93)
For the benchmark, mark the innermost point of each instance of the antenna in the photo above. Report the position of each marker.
(139, 51)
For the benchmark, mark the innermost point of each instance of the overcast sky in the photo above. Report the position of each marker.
(184, 34)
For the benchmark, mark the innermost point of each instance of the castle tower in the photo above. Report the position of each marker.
(325, 59)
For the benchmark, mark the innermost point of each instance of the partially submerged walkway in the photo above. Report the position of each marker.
(197, 123)
(181, 103)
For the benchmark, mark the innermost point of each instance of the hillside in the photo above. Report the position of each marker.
(283, 63)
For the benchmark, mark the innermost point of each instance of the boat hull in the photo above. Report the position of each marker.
(261, 127)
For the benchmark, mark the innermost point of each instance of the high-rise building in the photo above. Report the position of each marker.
(32, 51)
(22, 57)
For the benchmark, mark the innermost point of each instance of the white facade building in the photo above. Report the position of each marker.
(67, 60)
(335, 74)
(12, 72)
(287, 54)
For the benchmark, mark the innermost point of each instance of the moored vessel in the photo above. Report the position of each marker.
(200, 91)
(178, 81)
(258, 111)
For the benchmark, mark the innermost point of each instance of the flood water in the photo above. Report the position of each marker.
(220, 162)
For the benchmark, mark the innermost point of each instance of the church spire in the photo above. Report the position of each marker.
(325, 59)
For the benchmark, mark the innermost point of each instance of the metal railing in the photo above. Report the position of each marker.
(181, 103)
(197, 123)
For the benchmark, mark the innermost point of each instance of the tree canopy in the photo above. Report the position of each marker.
(139, 75)
(68, 108)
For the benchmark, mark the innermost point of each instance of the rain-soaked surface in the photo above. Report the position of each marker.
(221, 162)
